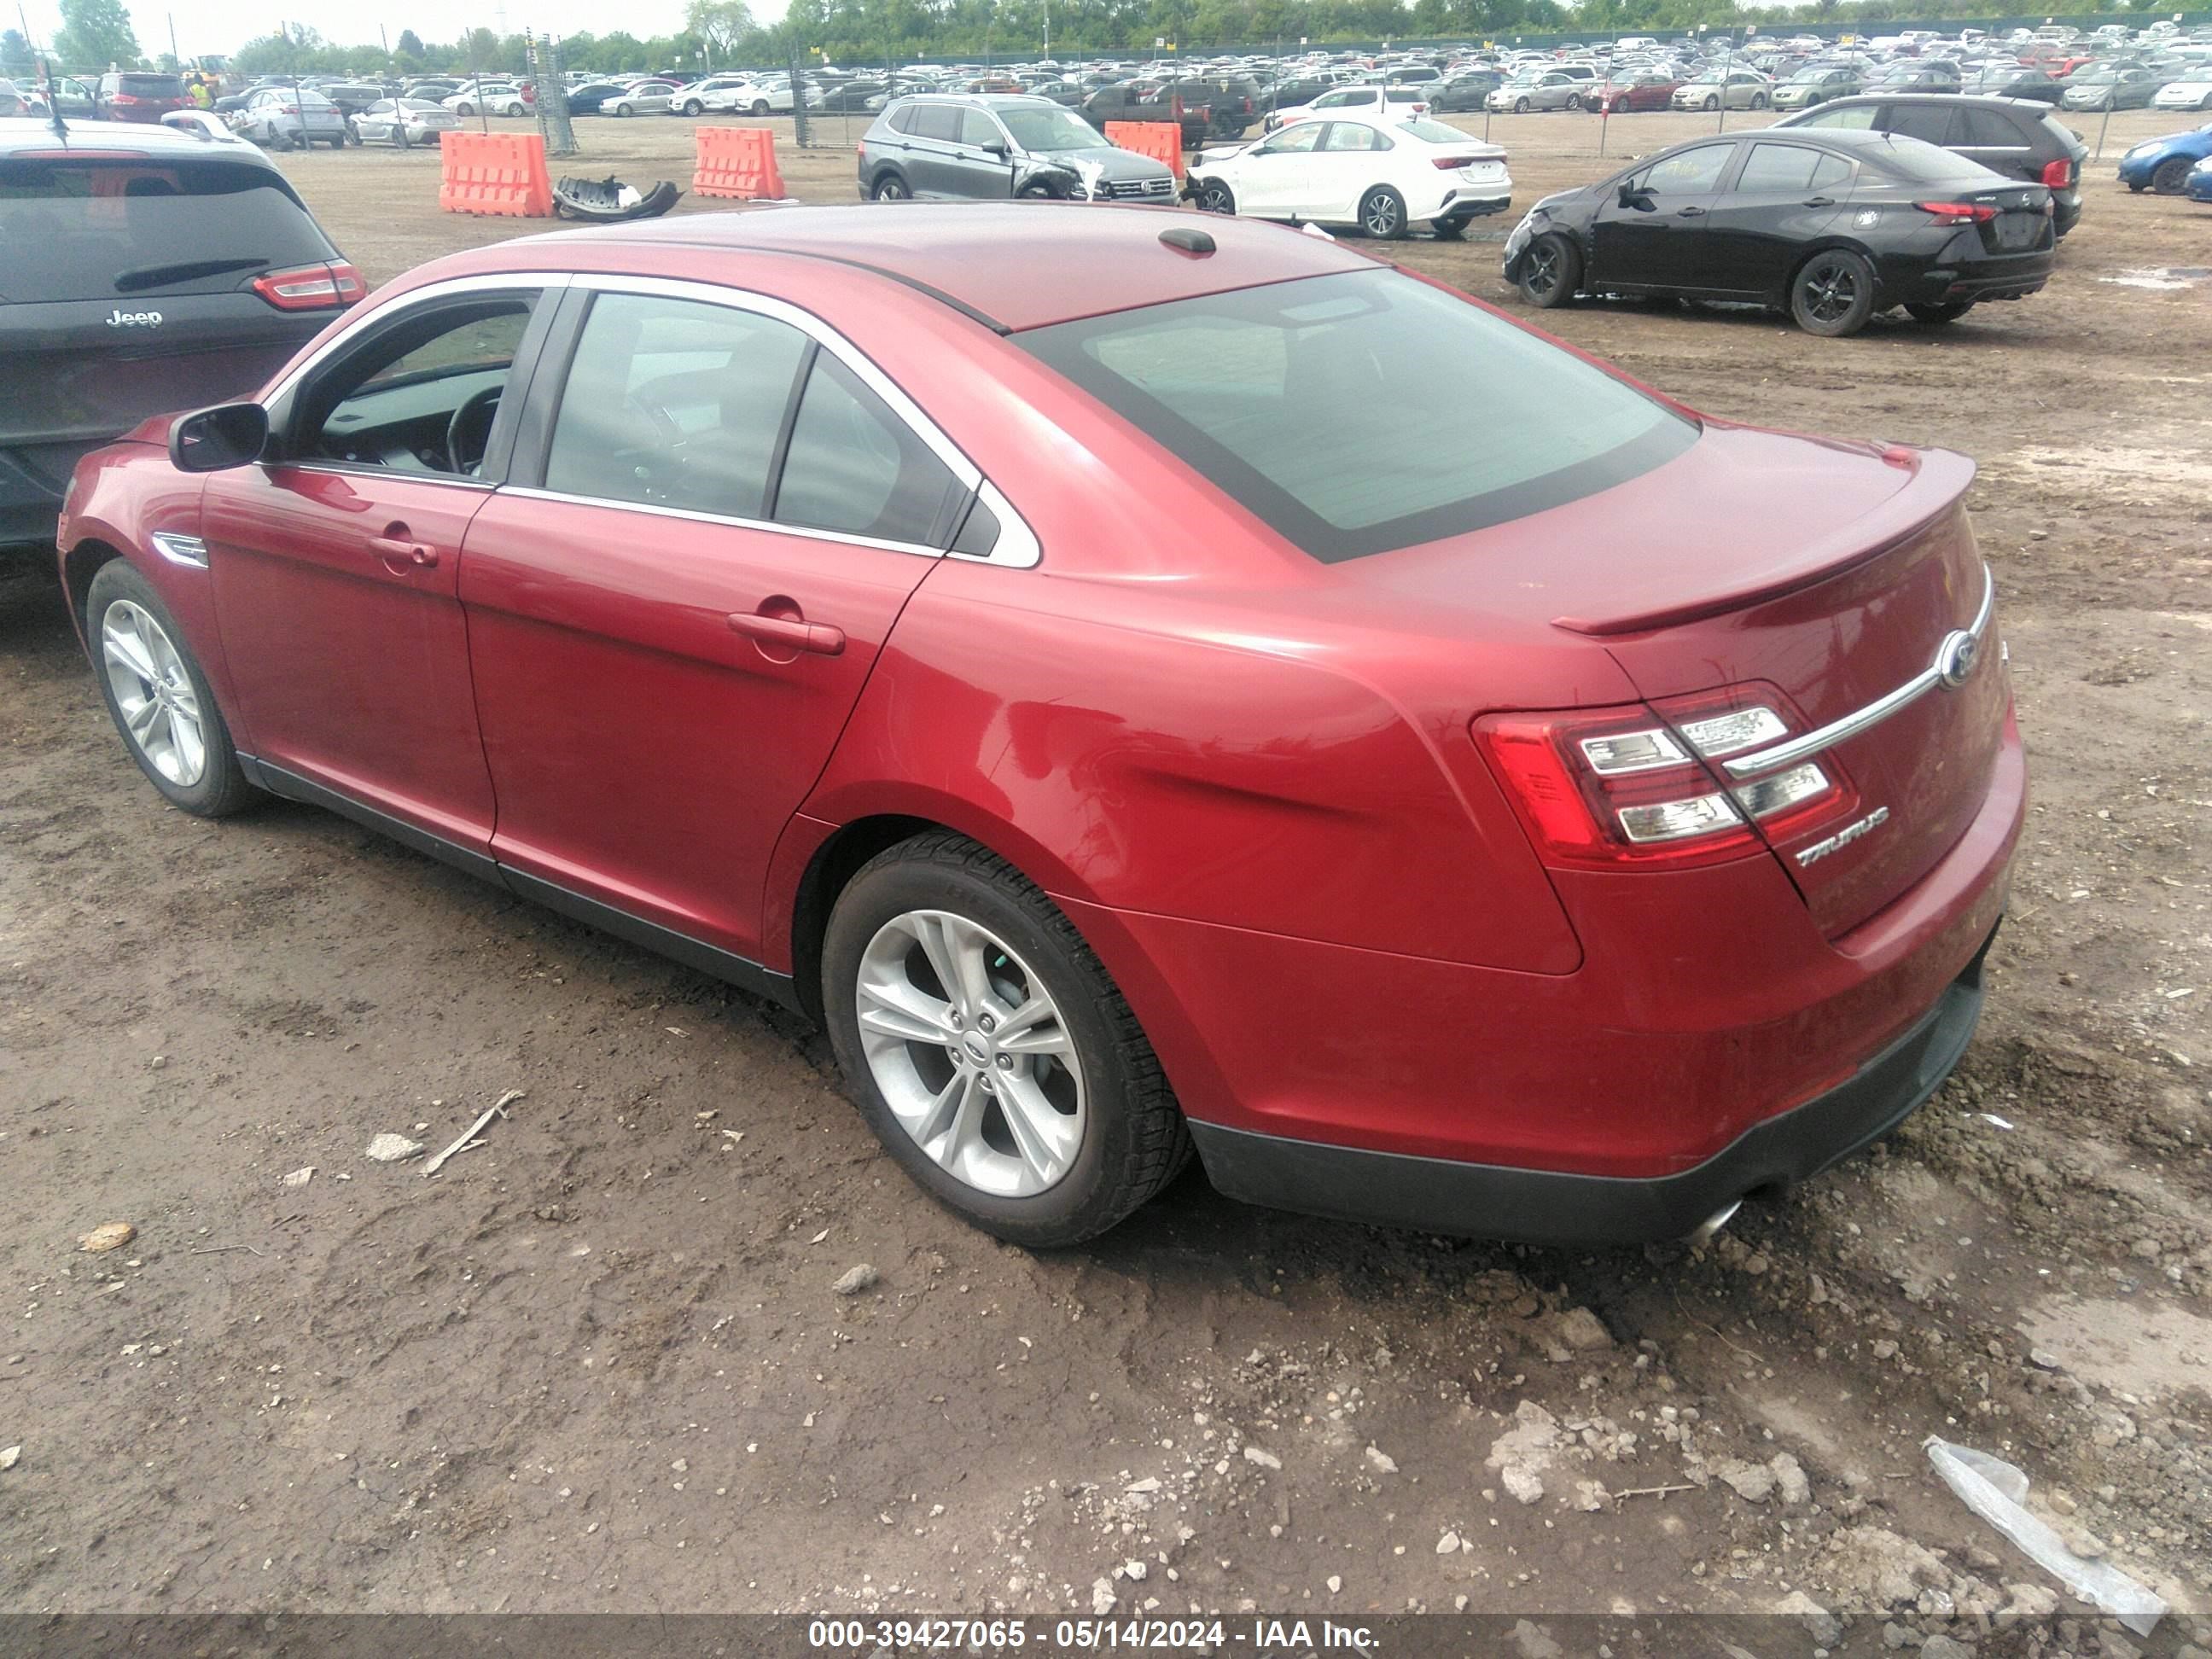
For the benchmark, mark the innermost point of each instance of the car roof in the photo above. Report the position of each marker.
(1010, 266)
(28, 135)
(1952, 99)
(983, 99)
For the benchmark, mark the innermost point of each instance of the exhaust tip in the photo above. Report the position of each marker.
(1705, 1229)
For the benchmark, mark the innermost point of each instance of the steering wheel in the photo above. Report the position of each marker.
(469, 431)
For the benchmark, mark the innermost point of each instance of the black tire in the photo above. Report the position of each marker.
(1036, 193)
(464, 109)
(1520, 106)
(1215, 197)
(2170, 176)
(1831, 294)
(694, 109)
(624, 110)
(1936, 316)
(1759, 100)
(760, 108)
(1550, 272)
(2136, 189)
(890, 187)
(1712, 102)
(1134, 1141)
(222, 788)
(1382, 213)
(1449, 230)
(1574, 101)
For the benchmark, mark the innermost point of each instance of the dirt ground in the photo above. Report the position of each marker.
(598, 1364)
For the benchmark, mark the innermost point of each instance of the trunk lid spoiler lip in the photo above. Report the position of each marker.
(1937, 482)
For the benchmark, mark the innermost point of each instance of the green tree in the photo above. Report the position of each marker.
(95, 33)
(17, 61)
(409, 47)
(720, 24)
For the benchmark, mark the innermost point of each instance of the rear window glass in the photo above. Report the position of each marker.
(93, 229)
(1910, 158)
(1289, 398)
(150, 86)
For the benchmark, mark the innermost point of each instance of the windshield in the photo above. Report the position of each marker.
(1437, 132)
(75, 229)
(1041, 131)
(1293, 399)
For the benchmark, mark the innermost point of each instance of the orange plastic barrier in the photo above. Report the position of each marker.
(738, 162)
(1160, 140)
(494, 172)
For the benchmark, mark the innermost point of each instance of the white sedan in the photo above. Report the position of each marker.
(2193, 91)
(1382, 176)
(645, 98)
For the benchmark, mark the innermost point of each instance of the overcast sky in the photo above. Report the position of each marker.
(205, 26)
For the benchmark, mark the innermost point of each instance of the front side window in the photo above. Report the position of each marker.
(420, 396)
(1252, 389)
(1297, 141)
(978, 131)
(1690, 173)
(1044, 131)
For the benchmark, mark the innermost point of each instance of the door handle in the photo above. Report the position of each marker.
(1820, 201)
(399, 555)
(793, 632)
(1690, 213)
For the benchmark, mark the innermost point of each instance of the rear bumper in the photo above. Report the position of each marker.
(1713, 1042)
(1545, 1206)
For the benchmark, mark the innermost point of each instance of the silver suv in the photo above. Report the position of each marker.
(984, 146)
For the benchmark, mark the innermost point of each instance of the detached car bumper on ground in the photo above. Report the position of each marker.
(1286, 815)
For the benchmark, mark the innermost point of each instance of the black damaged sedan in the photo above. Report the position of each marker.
(1831, 225)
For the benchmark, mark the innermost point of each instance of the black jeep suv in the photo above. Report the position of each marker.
(142, 269)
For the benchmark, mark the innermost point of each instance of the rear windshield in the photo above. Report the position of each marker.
(89, 230)
(1295, 399)
(150, 86)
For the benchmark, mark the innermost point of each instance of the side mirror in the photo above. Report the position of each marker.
(996, 147)
(1632, 197)
(218, 439)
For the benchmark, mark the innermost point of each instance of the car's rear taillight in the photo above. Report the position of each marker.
(122, 98)
(2057, 175)
(1610, 786)
(310, 288)
(1958, 213)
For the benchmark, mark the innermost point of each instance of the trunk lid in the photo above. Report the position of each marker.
(1867, 622)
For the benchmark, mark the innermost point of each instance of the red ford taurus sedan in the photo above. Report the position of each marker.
(1049, 647)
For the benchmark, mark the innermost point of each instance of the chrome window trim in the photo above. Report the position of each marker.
(1018, 546)
(531, 493)
(1865, 720)
(674, 288)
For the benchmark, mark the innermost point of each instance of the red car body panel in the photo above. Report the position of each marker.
(1613, 100)
(1248, 777)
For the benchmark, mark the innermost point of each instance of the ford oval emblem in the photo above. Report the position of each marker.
(1955, 658)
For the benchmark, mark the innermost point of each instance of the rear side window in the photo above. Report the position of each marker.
(1986, 129)
(1910, 158)
(854, 466)
(1289, 397)
(937, 121)
(1933, 124)
(674, 403)
(92, 230)
(1349, 135)
(901, 118)
(1784, 168)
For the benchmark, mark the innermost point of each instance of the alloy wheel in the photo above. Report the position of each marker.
(1829, 288)
(1380, 219)
(1541, 273)
(160, 711)
(970, 1053)
(1215, 199)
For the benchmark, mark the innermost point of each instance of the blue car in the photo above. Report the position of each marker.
(2163, 164)
(2199, 183)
